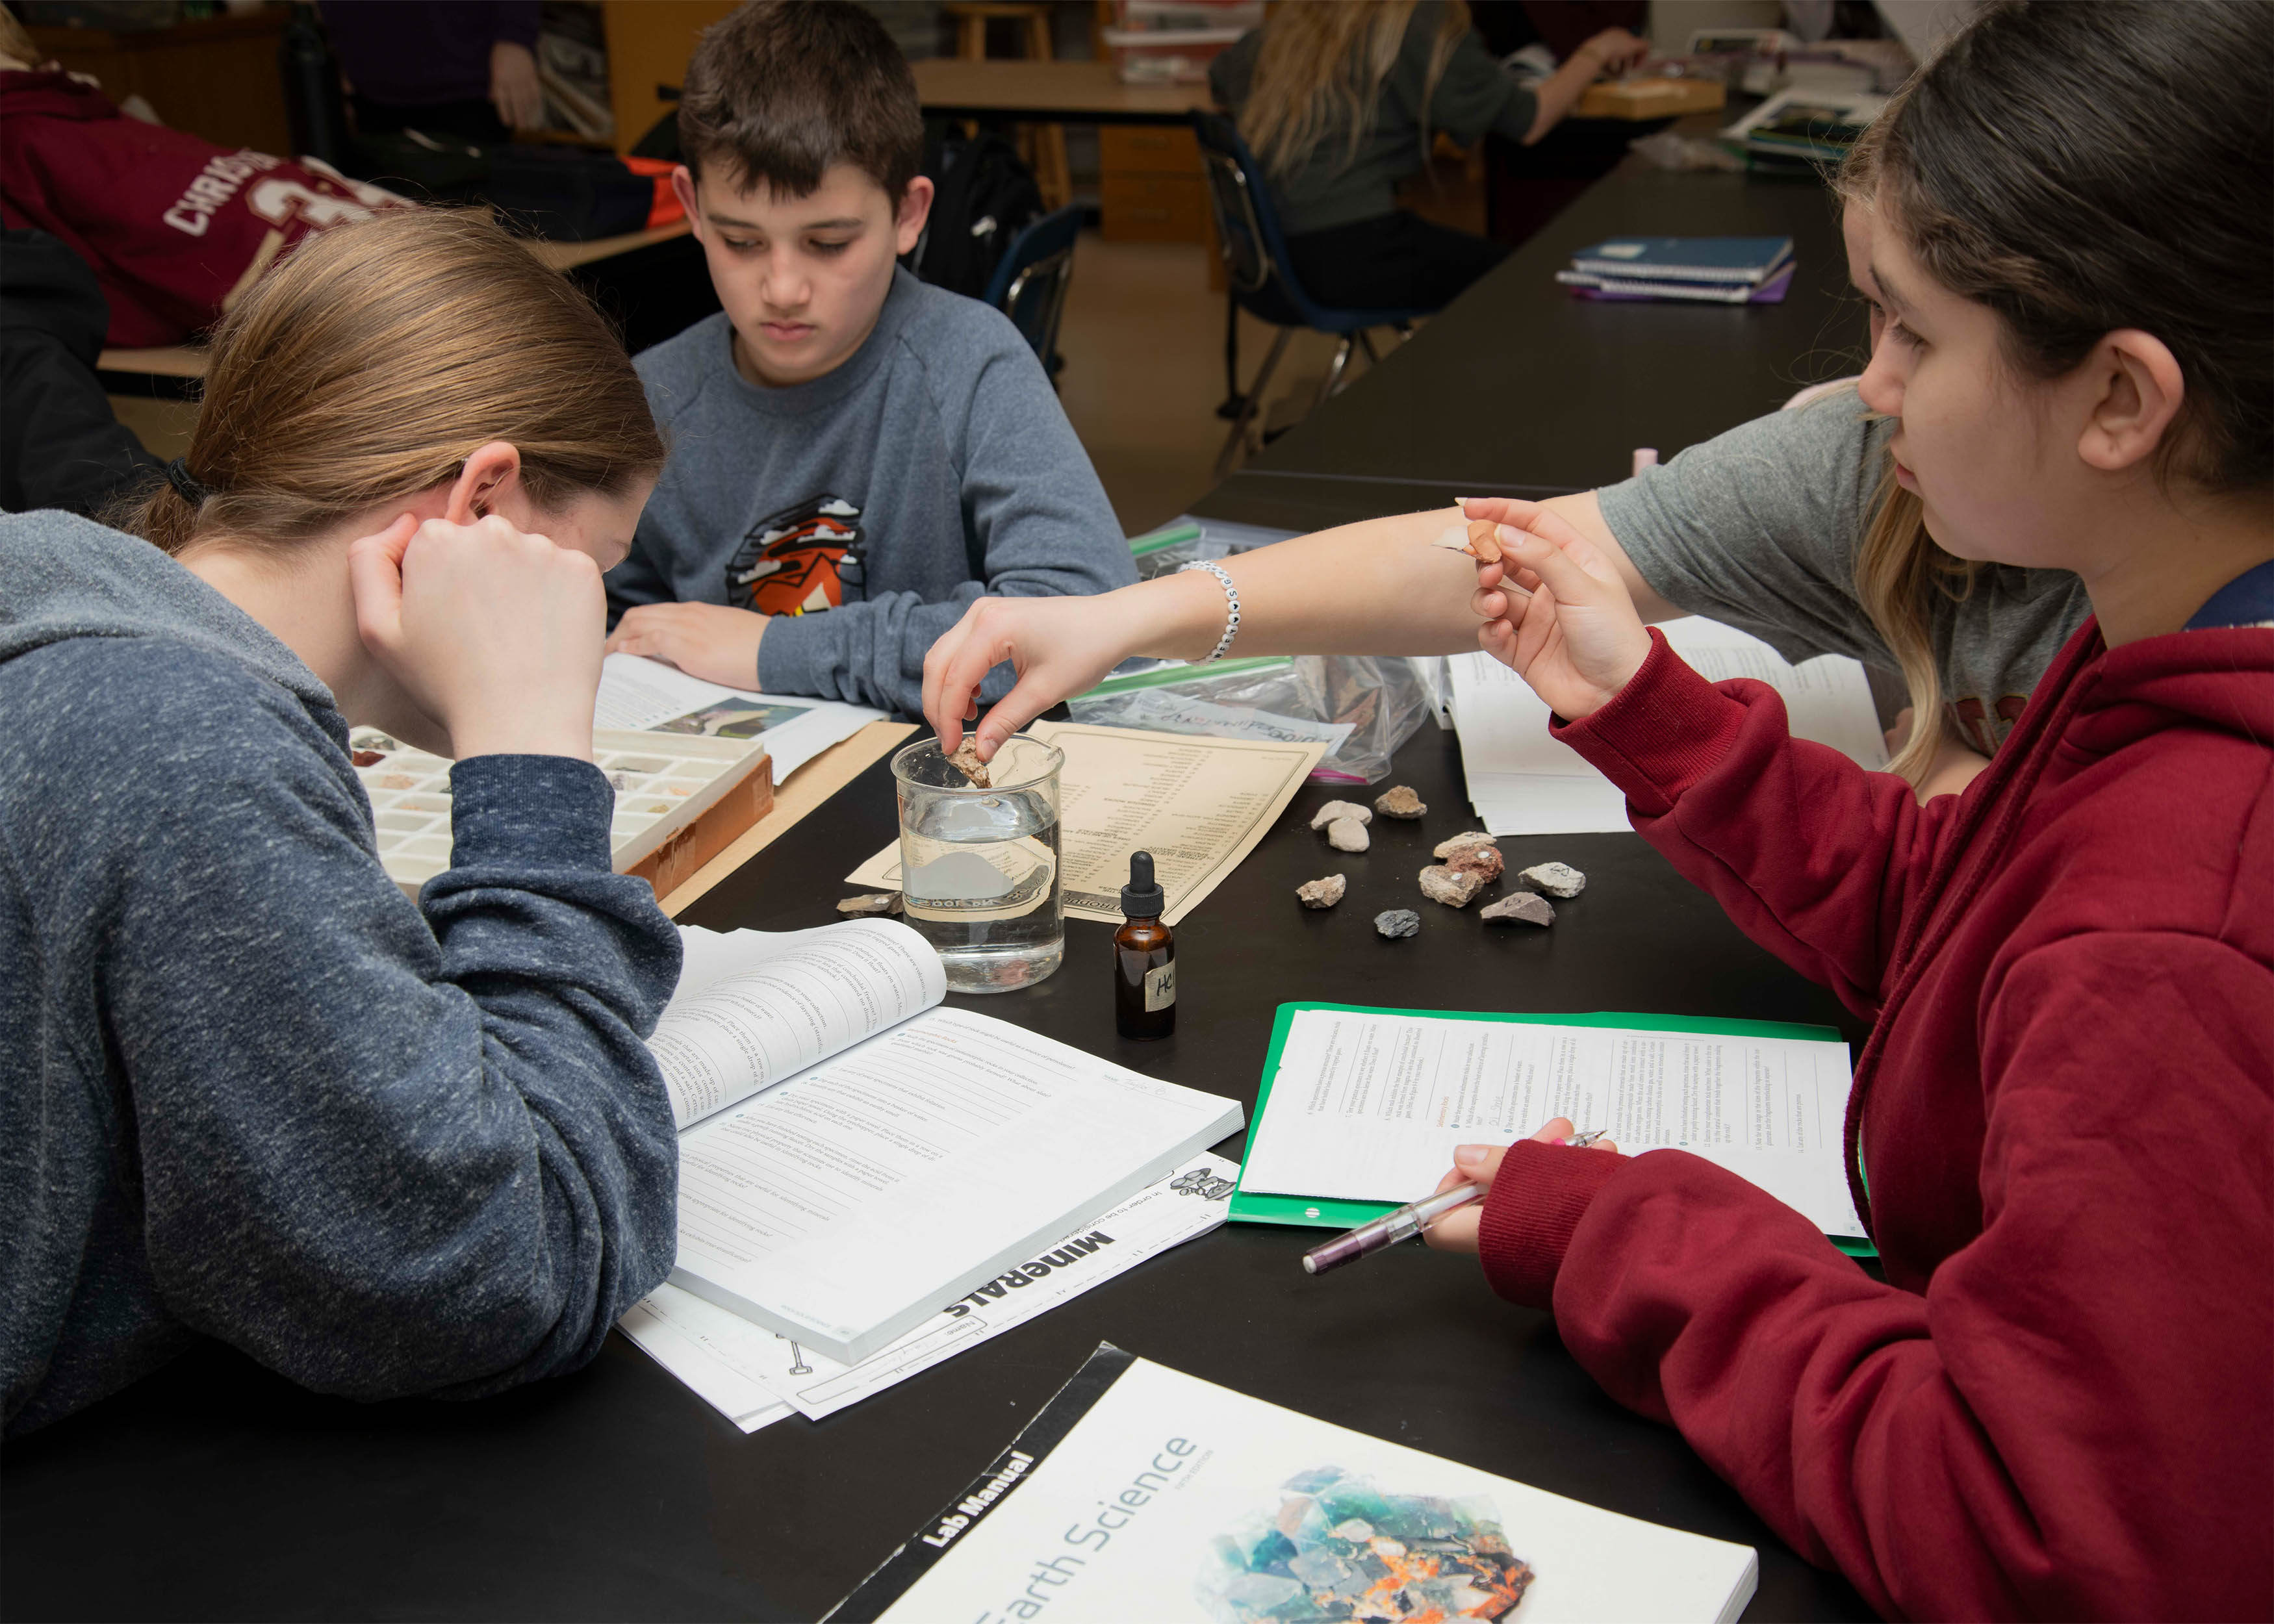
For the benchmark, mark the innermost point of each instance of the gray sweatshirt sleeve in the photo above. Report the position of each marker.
(380, 1153)
(1040, 518)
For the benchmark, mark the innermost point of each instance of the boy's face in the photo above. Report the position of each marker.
(802, 279)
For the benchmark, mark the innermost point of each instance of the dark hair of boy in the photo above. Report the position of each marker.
(783, 89)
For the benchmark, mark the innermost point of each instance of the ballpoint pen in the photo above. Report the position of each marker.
(1405, 1224)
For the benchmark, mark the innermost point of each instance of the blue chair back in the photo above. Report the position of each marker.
(1029, 284)
(1255, 248)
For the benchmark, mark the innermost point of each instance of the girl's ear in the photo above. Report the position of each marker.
(2141, 391)
(490, 479)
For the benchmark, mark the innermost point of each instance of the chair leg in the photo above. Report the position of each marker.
(1365, 343)
(1251, 402)
(1334, 377)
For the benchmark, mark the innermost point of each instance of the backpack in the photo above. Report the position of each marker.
(983, 195)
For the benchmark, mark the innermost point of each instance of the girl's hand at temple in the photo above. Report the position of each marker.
(1556, 611)
(1479, 1164)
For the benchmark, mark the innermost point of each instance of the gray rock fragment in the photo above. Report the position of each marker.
(1348, 834)
(1449, 886)
(873, 906)
(1400, 801)
(1462, 843)
(1398, 923)
(1334, 809)
(1557, 879)
(1523, 908)
(1322, 893)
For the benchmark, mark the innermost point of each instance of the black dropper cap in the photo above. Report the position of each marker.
(1141, 898)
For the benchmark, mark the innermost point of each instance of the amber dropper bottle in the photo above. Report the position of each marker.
(1144, 959)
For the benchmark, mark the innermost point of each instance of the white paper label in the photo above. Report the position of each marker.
(1161, 987)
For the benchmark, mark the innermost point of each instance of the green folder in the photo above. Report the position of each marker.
(1322, 1213)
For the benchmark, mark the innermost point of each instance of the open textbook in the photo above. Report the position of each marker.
(649, 696)
(1361, 1108)
(1141, 1492)
(1523, 781)
(852, 1157)
(754, 1376)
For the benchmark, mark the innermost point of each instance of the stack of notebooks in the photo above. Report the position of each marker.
(1717, 270)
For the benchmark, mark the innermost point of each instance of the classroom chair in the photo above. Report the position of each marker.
(1030, 282)
(1255, 259)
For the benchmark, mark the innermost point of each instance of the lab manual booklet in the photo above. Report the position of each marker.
(853, 1157)
(1140, 1493)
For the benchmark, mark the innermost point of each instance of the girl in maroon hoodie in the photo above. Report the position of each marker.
(2059, 1402)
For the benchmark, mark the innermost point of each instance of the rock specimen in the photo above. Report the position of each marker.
(1479, 540)
(965, 761)
(1399, 801)
(873, 905)
(1523, 908)
(1398, 923)
(1484, 861)
(1347, 834)
(1449, 886)
(1334, 809)
(1461, 843)
(1322, 893)
(1557, 879)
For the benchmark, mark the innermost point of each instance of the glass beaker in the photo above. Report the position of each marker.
(979, 868)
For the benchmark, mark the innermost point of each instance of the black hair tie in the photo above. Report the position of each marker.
(179, 475)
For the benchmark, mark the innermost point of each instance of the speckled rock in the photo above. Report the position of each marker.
(1461, 843)
(1398, 923)
(1322, 893)
(870, 906)
(1399, 801)
(1347, 834)
(1334, 809)
(1484, 861)
(1449, 886)
(1523, 908)
(1557, 879)
(965, 761)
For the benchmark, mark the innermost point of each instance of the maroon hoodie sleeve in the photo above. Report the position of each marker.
(1813, 856)
(2064, 1425)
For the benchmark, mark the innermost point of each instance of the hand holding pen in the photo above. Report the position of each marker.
(1448, 1219)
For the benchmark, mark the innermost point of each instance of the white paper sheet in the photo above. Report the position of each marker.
(1183, 1207)
(1368, 1106)
(1522, 781)
(651, 696)
(754, 1007)
(847, 1205)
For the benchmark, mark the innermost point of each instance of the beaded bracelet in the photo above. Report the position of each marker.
(1231, 598)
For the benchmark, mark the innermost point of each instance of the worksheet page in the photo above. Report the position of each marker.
(754, 1007)
(1368, 1106)
(651, 696)
(847, 1204)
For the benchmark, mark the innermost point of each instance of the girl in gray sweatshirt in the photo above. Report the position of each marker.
(250, 1090)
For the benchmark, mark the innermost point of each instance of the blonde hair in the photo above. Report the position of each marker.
(1321, 65)
(375, 360)
(15, 44)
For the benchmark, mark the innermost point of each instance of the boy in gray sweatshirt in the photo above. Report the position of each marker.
(855, 455)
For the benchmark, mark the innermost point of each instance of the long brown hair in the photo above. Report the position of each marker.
(1321, 66)
(380, 356)
(2037, 166)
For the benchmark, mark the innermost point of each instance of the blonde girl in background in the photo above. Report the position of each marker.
(1340, 102)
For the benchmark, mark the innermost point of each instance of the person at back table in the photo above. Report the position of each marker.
(250, 1090)
(855, 455)
(1340, 102)
(2057, 1403)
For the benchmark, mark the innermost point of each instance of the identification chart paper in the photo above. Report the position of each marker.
(1199, 805)
(753, 1376)
(1368, 1104)
(647, 694)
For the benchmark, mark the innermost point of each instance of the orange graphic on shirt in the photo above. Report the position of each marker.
(799, 560)
(1975, 724)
